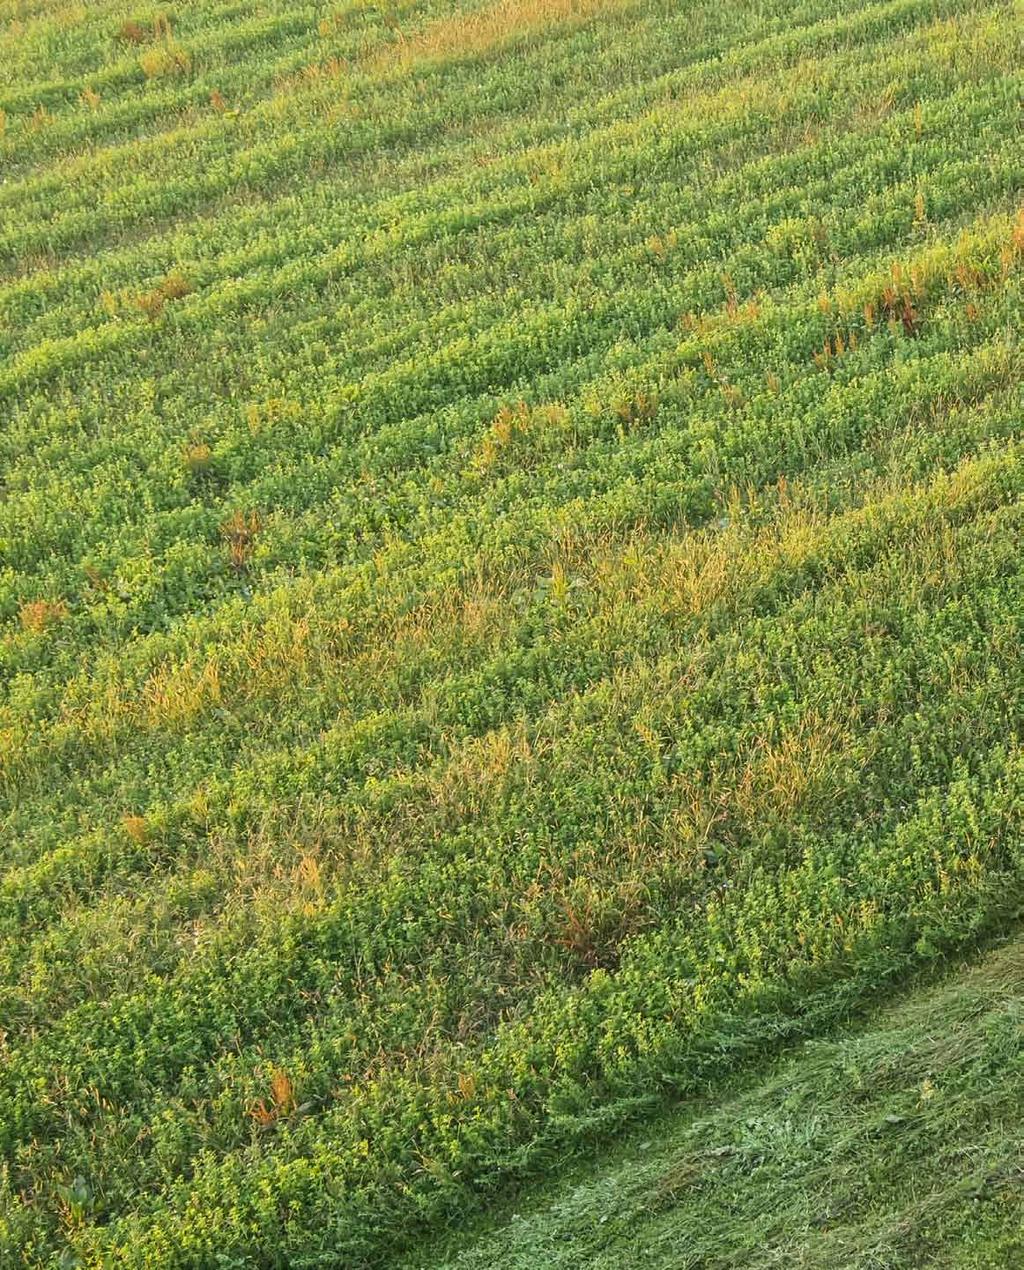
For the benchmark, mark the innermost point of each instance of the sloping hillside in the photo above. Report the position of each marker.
(510, 583)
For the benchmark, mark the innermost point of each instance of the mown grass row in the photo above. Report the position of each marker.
(921, 1098)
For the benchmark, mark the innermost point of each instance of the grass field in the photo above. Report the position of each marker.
(511, 586)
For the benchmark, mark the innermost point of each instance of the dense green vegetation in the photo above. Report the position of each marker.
(510, 581)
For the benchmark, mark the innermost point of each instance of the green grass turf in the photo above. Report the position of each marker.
(510, 583)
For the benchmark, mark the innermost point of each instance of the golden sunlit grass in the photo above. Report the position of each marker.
(781, 775)
(462, 34)
(521, 434)
(469, 34)
(177, 694)
(198, 458)
(165, 60)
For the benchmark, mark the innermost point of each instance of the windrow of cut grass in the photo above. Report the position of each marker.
(510, 582)
(921, 1098)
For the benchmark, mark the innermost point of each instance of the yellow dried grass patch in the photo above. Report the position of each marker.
(780, 776)
(178, 693)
